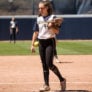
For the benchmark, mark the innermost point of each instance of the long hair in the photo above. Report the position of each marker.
(49, 6)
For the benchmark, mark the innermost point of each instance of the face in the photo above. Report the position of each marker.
(13, 18)
(43, 9)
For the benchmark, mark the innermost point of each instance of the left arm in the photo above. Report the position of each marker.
(55, 25)
(17, 30)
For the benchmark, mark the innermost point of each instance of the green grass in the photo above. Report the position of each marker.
(19, 48)
(75, 47)
(63, 47)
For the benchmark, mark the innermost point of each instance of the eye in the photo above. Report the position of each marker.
(41, 8)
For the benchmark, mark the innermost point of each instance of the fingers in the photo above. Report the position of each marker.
(32, 49)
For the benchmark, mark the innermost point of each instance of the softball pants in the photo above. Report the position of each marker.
(46, 51)
(13, 35)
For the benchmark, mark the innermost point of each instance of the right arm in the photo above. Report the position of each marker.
(10, 29)
(35, 35)
(17, 29)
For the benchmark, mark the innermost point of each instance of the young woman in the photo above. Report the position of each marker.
(13, 29)
(45, 29)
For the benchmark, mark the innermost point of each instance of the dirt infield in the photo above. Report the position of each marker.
(24, 73)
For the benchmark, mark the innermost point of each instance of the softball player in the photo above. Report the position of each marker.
(13, 29)
(45, 31)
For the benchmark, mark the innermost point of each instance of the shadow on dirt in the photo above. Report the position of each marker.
(72, 91)
(64, 91)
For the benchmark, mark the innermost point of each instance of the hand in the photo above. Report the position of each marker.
(32, 49)
(52, 24)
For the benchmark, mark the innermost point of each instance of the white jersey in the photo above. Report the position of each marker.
(44, 32)
(12, 24)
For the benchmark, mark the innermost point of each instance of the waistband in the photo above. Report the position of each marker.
(46, 39)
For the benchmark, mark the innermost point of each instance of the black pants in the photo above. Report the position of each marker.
(55, 51)
(13, 35)
(46, 50)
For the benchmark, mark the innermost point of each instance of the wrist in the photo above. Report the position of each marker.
(32, 45)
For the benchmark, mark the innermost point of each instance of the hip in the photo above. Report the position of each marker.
(46, 42)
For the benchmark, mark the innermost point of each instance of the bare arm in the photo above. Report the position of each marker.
(10, 31)
(35, 34)
(55, 25)
(34, 37)
(17, 29)
(58, 21)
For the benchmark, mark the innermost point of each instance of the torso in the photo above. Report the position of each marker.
(44, 32)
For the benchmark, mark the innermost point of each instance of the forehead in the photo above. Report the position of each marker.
(41, 5)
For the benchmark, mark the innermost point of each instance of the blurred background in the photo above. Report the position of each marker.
(77, 16)
(30, 7)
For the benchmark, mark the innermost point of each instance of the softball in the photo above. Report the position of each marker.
(36, 43)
